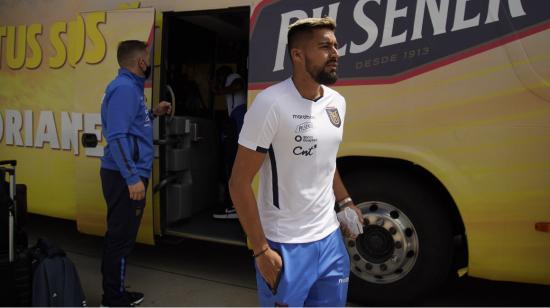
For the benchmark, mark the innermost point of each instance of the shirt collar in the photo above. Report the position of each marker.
(297, 93)
(138, 80)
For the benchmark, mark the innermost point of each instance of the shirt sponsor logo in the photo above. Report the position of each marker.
(303, 116)
(304, 127)
(333, 116)
(299, 138)
(301, 151)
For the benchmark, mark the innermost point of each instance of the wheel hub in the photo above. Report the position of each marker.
(376, 244)
(388, 248)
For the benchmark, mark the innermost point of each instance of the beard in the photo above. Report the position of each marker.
(322, 75)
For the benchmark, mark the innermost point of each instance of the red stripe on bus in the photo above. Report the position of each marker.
(257, 11)
(151, 35)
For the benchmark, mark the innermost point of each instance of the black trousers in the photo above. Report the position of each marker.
(123, 219)
(230, 143)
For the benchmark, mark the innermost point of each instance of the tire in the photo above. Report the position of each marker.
(406, 249)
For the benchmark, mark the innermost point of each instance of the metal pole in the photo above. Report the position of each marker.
(11, 219)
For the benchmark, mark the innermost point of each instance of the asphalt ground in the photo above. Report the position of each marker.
(196, 273)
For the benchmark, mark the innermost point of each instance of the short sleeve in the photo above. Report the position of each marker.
(260, 125)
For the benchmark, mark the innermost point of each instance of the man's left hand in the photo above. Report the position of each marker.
(163, 108)
(356, 209)
(345, 228)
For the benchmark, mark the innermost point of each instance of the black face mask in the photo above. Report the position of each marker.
(147, 72)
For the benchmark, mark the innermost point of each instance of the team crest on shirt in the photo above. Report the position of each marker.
(333, 116)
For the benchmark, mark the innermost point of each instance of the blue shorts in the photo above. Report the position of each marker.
(313, 274)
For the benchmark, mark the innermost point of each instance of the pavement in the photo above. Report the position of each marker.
(197, 273)
(192, 273)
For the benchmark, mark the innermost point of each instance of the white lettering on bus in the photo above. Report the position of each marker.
(28, 128)
(391, 15)
(366, 24)
(72, 124)
(516, 10)
(70, 127)
(460, 14)
(13, 127)
(438, 16)
(46, 131)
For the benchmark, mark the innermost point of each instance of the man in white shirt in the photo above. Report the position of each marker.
(291, 134)
(233, 87)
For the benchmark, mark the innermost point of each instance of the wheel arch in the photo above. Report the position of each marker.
(348, 164)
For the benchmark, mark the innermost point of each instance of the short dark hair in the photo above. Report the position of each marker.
(127, 51)
(306, 26)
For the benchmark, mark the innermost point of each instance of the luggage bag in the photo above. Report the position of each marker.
(15, 260)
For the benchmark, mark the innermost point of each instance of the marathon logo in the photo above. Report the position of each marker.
(302, 116)
(386, 41)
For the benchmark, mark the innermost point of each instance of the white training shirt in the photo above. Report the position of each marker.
(301, 136)
(234, 99)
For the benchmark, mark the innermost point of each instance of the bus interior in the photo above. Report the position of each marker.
(195, 141)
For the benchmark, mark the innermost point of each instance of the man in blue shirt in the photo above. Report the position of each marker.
(126, 165)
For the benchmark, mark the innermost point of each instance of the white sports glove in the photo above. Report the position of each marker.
(349, 218)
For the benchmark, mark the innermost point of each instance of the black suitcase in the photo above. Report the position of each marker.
(15, 259)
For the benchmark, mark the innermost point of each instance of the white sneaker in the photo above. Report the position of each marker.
(230, 213)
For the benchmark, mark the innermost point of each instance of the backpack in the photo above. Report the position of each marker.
(55, 282)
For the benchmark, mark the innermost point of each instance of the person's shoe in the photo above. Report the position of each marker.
(128, 299)
(229, 213)
(135, 297)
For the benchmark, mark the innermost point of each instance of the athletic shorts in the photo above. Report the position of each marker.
(313, 274)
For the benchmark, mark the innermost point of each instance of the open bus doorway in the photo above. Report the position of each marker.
(193, 170)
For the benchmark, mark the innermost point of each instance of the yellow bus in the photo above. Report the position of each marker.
(447, 138)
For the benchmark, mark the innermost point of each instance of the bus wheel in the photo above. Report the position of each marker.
(406, 248)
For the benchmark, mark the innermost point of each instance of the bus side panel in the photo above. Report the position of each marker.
(452, 102)
(484, 134)
(37, 124)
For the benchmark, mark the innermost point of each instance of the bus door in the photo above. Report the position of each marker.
(193, 171)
